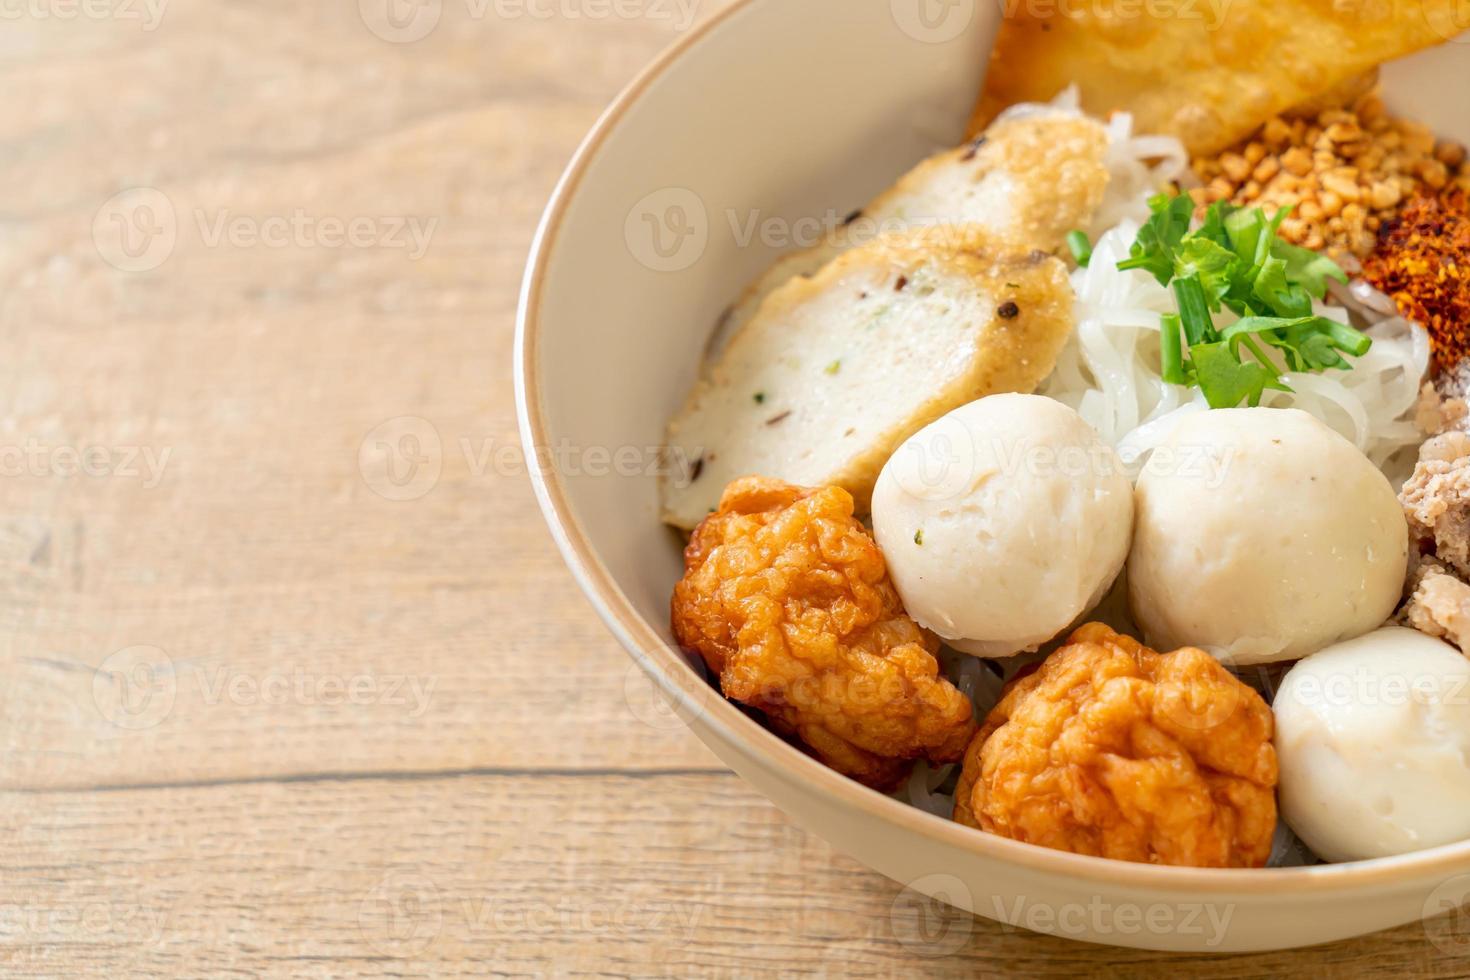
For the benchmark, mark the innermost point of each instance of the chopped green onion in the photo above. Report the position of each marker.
(1235, 260)
(1194, 310)
(1171, 353)
(1353, 342)
(1081, 247)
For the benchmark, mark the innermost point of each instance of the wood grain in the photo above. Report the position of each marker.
(270, 708)
(261, 554)
(514, 875)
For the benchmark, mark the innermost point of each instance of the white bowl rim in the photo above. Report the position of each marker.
(667, 667)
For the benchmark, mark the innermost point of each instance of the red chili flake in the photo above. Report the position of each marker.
(852, 217)
(902, 283)
(1008, 311)
(777, 419)
(1423, 262)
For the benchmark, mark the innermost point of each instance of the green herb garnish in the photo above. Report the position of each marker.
(1081, 247)
(919, 537)
(760, 397)
(1235, 261)
(834, 367)
(1160, 236)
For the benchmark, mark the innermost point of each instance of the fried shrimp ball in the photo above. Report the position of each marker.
(787, 598)
(1114, 750)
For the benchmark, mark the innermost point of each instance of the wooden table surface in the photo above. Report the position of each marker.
(271, 706)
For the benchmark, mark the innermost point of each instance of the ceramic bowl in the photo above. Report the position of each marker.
(717, 158)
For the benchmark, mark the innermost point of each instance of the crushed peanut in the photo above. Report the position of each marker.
(1346, 172)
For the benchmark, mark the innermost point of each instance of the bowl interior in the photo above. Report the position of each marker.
(777, 112)
(788, 111)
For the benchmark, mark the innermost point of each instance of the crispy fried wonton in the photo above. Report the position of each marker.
(1206, 71)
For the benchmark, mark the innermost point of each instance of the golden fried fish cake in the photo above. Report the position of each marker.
(838, 370)
(786, 596)
(1027, 182)
(1114, 750)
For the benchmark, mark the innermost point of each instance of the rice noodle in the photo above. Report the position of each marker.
(1137, 167)
(1288, 851)
(1110, 369)
(1363, 292)
(923, 789)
